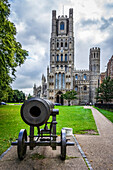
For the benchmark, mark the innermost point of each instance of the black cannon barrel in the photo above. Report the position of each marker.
(36, 111)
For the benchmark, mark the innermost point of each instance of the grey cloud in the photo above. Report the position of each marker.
(39, 31)
(23, 82)
(101, 24)
(106, 23)
(28, 78)
(109, 6)
(108, 43)
(30, 72)
(88, 22)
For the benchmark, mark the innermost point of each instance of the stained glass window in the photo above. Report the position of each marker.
(76, 77)
(62, 26)
(65, 57)
(63, 81)
(85, 77)
(66, 68)
(59, 80)
(57, 57)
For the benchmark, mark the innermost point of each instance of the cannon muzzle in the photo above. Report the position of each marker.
(36, 111)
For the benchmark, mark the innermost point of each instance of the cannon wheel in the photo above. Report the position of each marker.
(21, 148)
(63, 144)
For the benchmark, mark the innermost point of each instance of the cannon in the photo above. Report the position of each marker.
(36, 112)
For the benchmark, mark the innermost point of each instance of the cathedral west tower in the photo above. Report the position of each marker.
(59, 78)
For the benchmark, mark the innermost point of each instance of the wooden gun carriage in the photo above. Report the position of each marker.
(36, 112)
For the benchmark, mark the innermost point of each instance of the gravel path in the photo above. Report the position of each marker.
(99, 148)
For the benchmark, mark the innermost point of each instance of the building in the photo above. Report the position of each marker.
(61, 75)
(109, 71)
(102, 77)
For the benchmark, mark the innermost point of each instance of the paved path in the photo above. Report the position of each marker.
(99, 149)
(51, 161)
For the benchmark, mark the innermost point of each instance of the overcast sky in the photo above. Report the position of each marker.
(93, 27)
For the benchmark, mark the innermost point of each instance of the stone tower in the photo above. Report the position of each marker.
(94, 72)
(61, 56)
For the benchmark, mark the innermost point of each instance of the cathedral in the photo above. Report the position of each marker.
(62, 76)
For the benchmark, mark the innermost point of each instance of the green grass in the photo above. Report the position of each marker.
(75, 117)
(106, 113)
(11, 123)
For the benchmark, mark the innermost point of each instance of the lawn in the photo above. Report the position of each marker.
(106, 113)
(76, 117)
(11, 123)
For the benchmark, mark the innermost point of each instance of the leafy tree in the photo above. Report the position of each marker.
(18, 96)
(10, 95)
(29, 96)
(105, 91)
(11, 52)
(69, 95)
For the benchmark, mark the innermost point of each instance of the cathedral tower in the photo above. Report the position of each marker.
(94, 70)
(61, 56)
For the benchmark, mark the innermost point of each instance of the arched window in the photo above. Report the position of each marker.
(65, 57)
(57, 57)
(63, 81)
(76, 88)
(59, 80)
(61, 57)
(61, 44)
(61, 66)
(76, 77)
(57, 67)
(65, 44)
(62, 26)
(66, 68)
(85, 77)
(94, 55)
(85, 88)
(57, 44)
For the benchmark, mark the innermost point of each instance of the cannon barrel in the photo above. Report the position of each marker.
(36, 111)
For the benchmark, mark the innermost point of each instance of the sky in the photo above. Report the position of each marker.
(93, 27)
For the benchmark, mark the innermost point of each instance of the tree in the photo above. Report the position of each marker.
(69, 95)
(18, 96)
(11, 52)
(29, 96)
(105, 91)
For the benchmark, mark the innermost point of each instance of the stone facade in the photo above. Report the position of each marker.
(61, 75)
(102, 77)
(109, 71)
